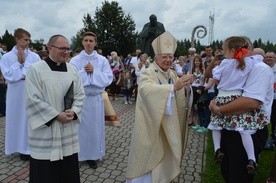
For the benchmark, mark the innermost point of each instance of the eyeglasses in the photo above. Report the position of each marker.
(61, 48)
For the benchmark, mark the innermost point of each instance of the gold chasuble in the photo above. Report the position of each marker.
(158, 143)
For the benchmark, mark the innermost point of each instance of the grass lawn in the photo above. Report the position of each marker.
(212, 174)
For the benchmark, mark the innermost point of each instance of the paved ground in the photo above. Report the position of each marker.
(113, 167)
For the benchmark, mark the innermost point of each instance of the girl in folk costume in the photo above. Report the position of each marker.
(232, 74)
(206, 94)
(198, 73)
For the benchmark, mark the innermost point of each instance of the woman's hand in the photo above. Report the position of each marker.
(214, 108)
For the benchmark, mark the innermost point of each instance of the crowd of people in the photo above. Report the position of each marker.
(59, 120)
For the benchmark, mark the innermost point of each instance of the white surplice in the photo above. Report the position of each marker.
(16, 134)
(45, 91)
(92, 127)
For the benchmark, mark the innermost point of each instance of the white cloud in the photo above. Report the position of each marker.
(45, 18)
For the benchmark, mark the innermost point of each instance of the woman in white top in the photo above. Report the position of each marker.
(142, 65)
(117, 68)
(178, 67)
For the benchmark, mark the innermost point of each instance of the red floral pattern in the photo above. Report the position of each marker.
(252, 120)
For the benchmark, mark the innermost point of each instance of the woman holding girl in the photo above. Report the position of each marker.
(231, 76)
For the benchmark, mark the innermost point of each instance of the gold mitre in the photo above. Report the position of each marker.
(165, 43)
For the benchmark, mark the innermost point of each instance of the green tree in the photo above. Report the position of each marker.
(217, 44)
(114, 29)
(8, 39)
(37, 44)
(88, 26)
(255, 44)
(182, 47)
(269, 47)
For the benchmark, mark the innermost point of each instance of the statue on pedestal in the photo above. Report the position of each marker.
(150, 31)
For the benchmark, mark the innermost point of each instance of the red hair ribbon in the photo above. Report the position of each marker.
(238, 54)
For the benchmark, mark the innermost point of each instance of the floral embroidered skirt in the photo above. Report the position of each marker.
(252, 120)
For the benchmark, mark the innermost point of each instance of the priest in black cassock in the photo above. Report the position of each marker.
(53, 137)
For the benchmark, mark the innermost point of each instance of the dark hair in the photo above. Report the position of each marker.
(201, 65)
(209, 68)
(140, 54)
(208, 46)
(54, 38)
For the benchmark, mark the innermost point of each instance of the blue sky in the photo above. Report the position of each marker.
(252, 18)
